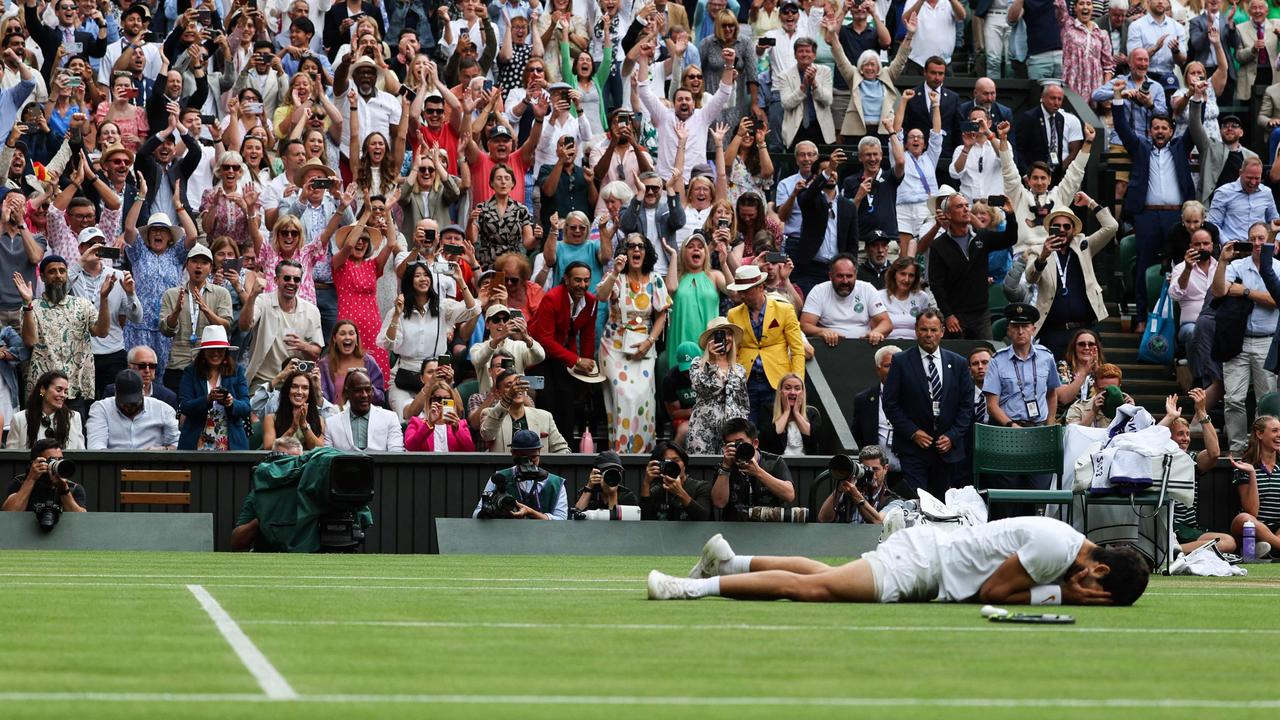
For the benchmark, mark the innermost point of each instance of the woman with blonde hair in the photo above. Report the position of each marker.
(287, 244)
(797, 426)
(1257, 481)
(720, 385)
(728, 36)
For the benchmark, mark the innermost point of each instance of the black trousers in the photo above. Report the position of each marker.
(105, 368)
(926, 470)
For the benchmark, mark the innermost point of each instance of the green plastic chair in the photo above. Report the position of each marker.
(996, 299)
(1269, 404)
(1155, 283)
(1020, 451)
(1000, 328)
(1128, 255)
(255, 436)
(465, 391)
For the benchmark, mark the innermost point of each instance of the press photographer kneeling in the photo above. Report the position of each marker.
(860, 494)
(667, 492)
(46, 488)
(524, 490)
(604, 489)
(749, 481)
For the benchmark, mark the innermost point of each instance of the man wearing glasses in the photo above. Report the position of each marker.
(282, 324)
(658, 215)
(142, 360)
(1068, 295)
(65, 33)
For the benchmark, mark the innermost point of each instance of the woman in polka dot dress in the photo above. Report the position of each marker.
(637, 316)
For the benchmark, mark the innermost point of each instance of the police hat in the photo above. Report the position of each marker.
(1021, 313)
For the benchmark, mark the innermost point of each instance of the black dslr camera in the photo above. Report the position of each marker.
(501, 503)
(842, 468)
(48, 512)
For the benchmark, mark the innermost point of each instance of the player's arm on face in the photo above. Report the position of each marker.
(1010, 584)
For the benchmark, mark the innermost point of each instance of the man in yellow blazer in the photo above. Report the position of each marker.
(772, 343)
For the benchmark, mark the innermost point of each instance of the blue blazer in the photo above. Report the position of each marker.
(193, 400)
(1140, 148)
(909, 407)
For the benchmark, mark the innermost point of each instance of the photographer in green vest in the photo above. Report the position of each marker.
(524, 491)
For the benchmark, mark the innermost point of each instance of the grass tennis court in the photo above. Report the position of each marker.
(100, 635)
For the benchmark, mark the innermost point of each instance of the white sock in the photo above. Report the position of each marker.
(737, 565)
(709, 587)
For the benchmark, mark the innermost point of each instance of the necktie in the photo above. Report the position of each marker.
(1055, 138)
(1263, 57)
(979, 408)
(935, 382)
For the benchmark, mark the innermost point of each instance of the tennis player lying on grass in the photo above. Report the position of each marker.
(1024, 560)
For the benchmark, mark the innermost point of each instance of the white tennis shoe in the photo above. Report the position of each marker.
(894, 520)
(715, 553)
(666, 587)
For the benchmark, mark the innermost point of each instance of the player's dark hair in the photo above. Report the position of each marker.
(1129, 573)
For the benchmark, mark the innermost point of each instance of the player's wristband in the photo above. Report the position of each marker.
(1046, 595)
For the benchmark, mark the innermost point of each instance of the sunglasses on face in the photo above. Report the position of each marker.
(500, 318)
(634, 246)
(291, 279)
(144, 366)
(652, 188)
(1086, 343)
(289, 233)
(231, 168)
(433, 111)
(1059, 226)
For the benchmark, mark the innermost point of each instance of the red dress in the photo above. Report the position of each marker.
(356, 282)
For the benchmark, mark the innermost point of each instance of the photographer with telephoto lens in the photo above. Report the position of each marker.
(747, 477)
(859, 494)
(604, 489)
(524, 491)
(46, 488)
(667, 492)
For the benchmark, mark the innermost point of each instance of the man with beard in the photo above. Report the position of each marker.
(1019, 561)
(187, 310)
(156, 162)
(283, 324)
(378, 111)
(696, 121)
(265, 74)
(845, 307)
(57, 329)
(501, 151)
(85, 279)
(1220, 162)
(873, 268)
(133, 33)
(829, 224)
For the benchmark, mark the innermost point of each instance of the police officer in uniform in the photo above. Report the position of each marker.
(1019, 386)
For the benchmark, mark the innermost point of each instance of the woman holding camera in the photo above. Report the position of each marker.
(604, 489)
(298, 413)
(213, 397)
(720, 384)
(797, 426)
(441, 430)
(638, 305)
(667, 492)
(47, 416)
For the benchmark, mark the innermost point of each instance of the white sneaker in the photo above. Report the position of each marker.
(894, 520)
(1262, 549)
(715, 552)
(665, 587)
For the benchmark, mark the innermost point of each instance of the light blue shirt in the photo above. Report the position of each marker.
(1262, 321)
(108, 428)
(113, 35)
(872, 101)
(1139, 115)
(786, 186)
(1145, 31)
(1018, 381)
(912, 189)
(1162, 178)
(1233, 210)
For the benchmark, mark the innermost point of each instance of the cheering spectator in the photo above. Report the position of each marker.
(565, 326)
(872, 94)
(936, 38)
(279, 324)
(297, 414)
(1239, 204)
(719, 386)
(656, 214)
(919, 181)
(1190, 283)
(1219, 157)
(1244, 277)
(514, 411)
(787, 194)
(872, 269)
(902, 297)
(829, 226)
(441, 430)
(628, 346)
(130, 420)
(976, 162)
(1087, 61)
(797, 427)
(696, 120)
(362, 254)
(1035, 200)
(1186, 518)
(845, 307)
(47, 416)
(214, 397)
(430, 189)
(12, 354)
(20, 251)
(186, 310)
(158, 259)
(1082, 357)
(565, 186)
(772, 341)
(1258, 485)
(85, 281)
(346, 353)
(958, 267)
(874, 191)
(1164, 38)
(361, 426)
(509, 334)
(232, 208)
(1097, 411)
(806, 97)
(501, 223)
(695, 289)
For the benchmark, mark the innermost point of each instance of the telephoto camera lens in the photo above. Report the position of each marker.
(62, 468)
(671, 469)
(745, 451)
(612, 476)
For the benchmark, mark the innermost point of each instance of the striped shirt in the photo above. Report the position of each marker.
(1186, 514)
(1268, 492)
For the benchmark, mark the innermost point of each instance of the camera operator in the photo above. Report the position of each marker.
(39, 485)
(757, 479)
(538, 494)
(667, 493)
(245, 535)
(604, 489)
(862, 499)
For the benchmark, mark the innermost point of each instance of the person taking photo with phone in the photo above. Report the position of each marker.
(84, 279)
(214, 396)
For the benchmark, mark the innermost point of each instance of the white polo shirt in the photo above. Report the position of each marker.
(850, 315)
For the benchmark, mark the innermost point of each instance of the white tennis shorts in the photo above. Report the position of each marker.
(906, 566)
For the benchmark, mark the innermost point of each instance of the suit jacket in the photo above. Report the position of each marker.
(813, 222)
(1135, 200)
(677, 16)
(790, 88)
(1046, 280)
(384, 431)
(274, 88)
(669, 216)
(1273, 287)
(1199, 47)
(1270, 106)
(909, 406)
(495, 429)
(1032, 141)
(781, 343)
(193, 403)
(1105, 23)
(853, 124)
(565, 339)
(146, 164)
(158, 391)
(919, 117)
(877, 211)
(50, 39)
(999, 113)
(1248, 57)
(1213, 154)
(866, 416)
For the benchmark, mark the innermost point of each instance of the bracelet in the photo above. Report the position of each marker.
(1046, 595)
(1205, 419)
(724, 470)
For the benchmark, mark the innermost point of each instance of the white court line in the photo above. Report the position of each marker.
(615, 700)
(269, 679)
(180, 576)
(739, 627)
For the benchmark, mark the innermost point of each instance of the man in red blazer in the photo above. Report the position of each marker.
(565, 325)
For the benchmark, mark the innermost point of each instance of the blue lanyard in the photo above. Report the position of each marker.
(1017, 373)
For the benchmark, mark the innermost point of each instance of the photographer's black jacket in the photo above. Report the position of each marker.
(741, 500)
(44, 492)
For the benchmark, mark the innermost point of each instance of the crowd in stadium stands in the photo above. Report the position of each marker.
(432, 226)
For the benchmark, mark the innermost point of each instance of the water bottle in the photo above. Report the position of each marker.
(1248, 544)
(587, 446)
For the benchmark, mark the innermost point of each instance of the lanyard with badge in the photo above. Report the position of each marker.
(1033, 406)
(194, 311)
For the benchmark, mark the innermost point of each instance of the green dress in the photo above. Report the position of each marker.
(697, 301)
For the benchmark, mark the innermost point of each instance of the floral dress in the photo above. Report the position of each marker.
(499, 232)
(1086, 53)
(228, 218)
(720, 398)
(741, 181)
(631, 401)
(152, 275)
